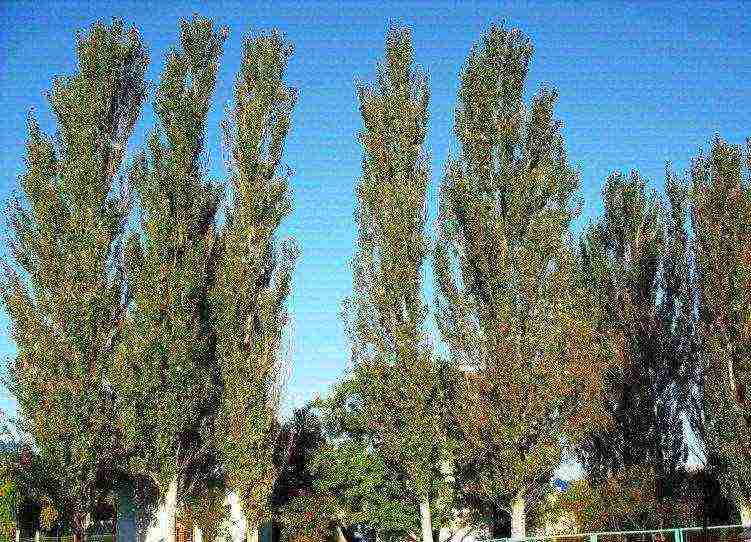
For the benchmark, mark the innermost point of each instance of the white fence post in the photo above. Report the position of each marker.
(37, 535)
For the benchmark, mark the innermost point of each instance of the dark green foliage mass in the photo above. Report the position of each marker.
(166, 372)
(636, 262)
(64, 293)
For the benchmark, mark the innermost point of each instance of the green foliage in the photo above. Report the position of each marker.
(10, 500)
(64, 296)
(508, 308)
(720, 405)
(368, 493)
(253, 278)
(635, 261)
(209, 512)
(165, 376)
(395, 372)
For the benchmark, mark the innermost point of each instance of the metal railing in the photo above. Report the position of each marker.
(715, 533)
(69, 538)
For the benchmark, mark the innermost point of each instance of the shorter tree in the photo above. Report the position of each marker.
(634, 263)
(359, 489)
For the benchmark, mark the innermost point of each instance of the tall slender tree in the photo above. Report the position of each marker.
(506, 306)
(720, 406)
(394, 368)
(64, 296)
(167, 376)
(253, 279)
(635, 261)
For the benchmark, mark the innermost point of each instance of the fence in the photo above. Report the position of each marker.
(716, 533)
(68, 538)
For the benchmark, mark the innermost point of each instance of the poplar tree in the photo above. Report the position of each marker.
(507, 307)
(635, 261)
(254, 274)
(64, 295)
(394, 370)
(167, 377)
(720, 406)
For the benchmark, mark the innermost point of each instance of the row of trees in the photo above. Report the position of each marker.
(150, 355)
(135, 345)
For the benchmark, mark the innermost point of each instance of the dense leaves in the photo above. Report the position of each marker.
(64, 295)
(166, 373)
(254, 274)
(397, 377)
(158, 363)
(720, 404)
(635, 261)
(507, 308)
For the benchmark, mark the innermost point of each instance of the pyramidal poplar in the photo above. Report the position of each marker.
(507, 307)
(394, 370)
(720, 407)
(253, 278)
(635, 264)
(64, 295)
(167, 373)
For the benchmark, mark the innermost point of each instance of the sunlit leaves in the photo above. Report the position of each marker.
(64, 297)
(508, 308)
(253, 278)
(395, 373)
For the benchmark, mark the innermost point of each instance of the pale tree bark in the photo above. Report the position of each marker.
(170, 511)
(518, 518)
(252, 534)
(745, 509)
(426, 521)
(340, 535)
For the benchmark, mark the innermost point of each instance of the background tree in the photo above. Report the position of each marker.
(636, 263)
(720, 407)
(64, 296)
(354, 485)
(166, 376)
(507, 307)
(393, 365)
(254, 275)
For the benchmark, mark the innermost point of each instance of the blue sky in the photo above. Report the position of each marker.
(640, 84)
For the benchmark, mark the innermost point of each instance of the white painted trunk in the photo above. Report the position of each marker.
(426, 521)
(518, 518)
(170, 512)
(197, 535)
(253, 532)
(745, 508)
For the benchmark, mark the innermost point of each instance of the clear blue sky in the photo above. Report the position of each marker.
(640, 84)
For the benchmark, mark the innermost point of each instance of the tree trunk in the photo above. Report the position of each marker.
(425, 520)
(745, 509)
(518, 518)
(252, 533)
(340, 535)
(79, 526)
(170, 512)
